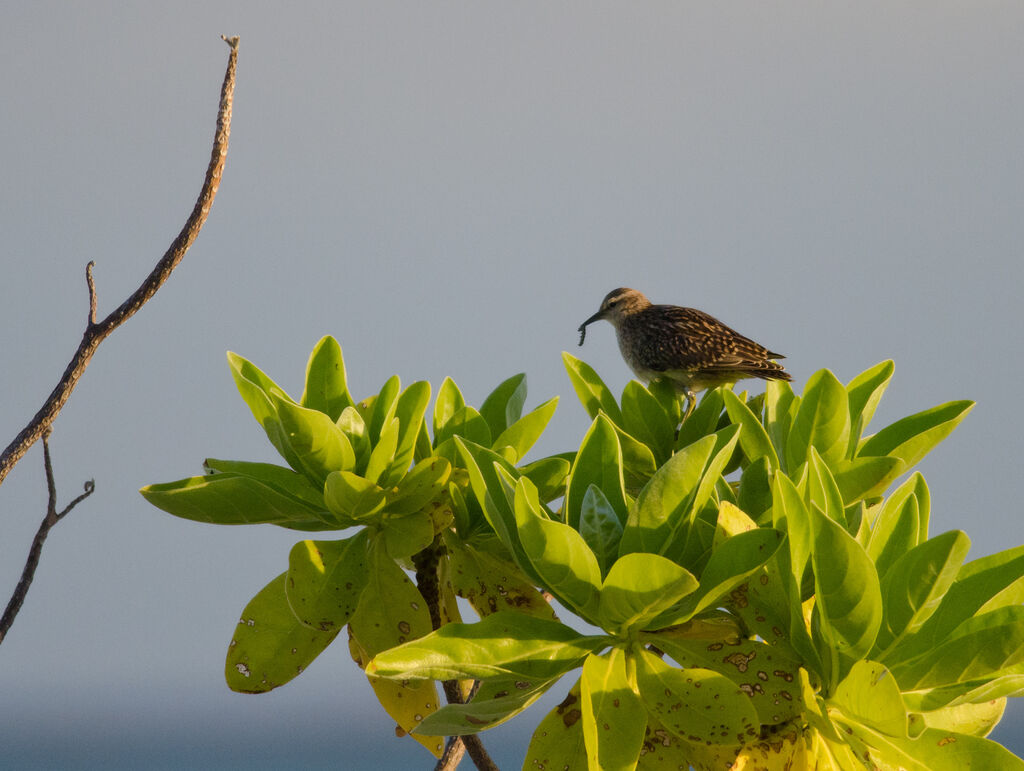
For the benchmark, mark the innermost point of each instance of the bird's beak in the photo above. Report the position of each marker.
(583, 327)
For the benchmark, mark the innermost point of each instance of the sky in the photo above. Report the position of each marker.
(450, 188)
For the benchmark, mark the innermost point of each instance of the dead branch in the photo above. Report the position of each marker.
(97, 332)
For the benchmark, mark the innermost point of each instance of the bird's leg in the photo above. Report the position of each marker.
(691, 402)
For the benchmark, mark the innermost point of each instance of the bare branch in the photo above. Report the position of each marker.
(35, 552)
(95, 332)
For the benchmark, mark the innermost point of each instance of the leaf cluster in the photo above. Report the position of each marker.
(755, 592)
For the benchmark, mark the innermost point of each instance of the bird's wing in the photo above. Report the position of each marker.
(686, 338)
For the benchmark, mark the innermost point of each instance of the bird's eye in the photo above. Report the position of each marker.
(611, 303)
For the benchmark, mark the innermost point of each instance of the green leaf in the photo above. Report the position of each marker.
(504, 405)
(638, 588)
(822, 421)
(613, 716)
(600, 527)
(449, 401)
(860, 478)
(915, 585)
(270, 645)
(755, 492)
(492, 584)
(406, 535)
(497, 700)
(467, 423)
(383, 454)
(325, 579)
(669, 502)
(732, 562)
(895, 532)
(598, 462)
(233, 499)
(822, 490)
(353, 497)
(549, 475)
(319, 445)
(391, 609)
(703, 420)
(754, 439)
(409, 410)
(696, 704)
(975, 585)
(352, 424)
(256, 390)
(848, 600)
(504, 644)
(780, 408)
(644, 418)
(973, 719)
(870, 695)
(282, 479)
(524, 433)
(427, 480)
(911, 438)
(326, 386)
(382, 408)
(558, 742)
(864, 392)
(558, 554)
(638, 464)
(591, 390)
(986, 646)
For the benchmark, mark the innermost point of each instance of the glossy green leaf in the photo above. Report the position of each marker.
(256, 390)
(326, 387)
(558, 742)
(409, 410)
(524, 433)
(391, 610)
(270, 646)
(916, 584)
(863, 394)
(549, 475)
(497, 700)
(468, 424)
(755, 491)
(703, 420)
(382, 409)
(449, 401)
(822, 421)
(638, 588)
(492, 584)
(423, 484)
(600, 527)
(985, 646)
(754, 439)
(665, 509)
(558, 554)
(325, 580)
(406, 535)
(383, 454)
(865, 477)
(780, 408)
(664, 390)
(638, 463)
(233, 499)
(590, 388)
(282, 479)
(352, 424)
(870, 694)
(504, 644)
(976, 584)
(895, 532)
(696, 704)
(822, 490)
(911, 438)
(353, 497)
(644, 418)
(613, 716)
(848, 600)
(504, 405)
(598, 462)
(319, 445)
(973, 719)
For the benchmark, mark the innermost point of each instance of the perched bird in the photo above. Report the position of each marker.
(684, 345)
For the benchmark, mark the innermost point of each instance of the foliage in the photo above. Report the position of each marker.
(756, 598)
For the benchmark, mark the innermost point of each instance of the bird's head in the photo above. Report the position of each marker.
(617, 304)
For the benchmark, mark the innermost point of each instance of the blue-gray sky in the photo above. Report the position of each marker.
(450, 188)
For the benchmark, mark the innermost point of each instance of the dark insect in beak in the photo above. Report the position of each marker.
(583, 332)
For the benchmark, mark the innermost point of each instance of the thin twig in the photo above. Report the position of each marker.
(95, 332)
(35, 552)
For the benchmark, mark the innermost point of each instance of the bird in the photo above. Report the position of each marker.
(686, 346)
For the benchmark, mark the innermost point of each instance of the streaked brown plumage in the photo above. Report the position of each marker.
(687, 346)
